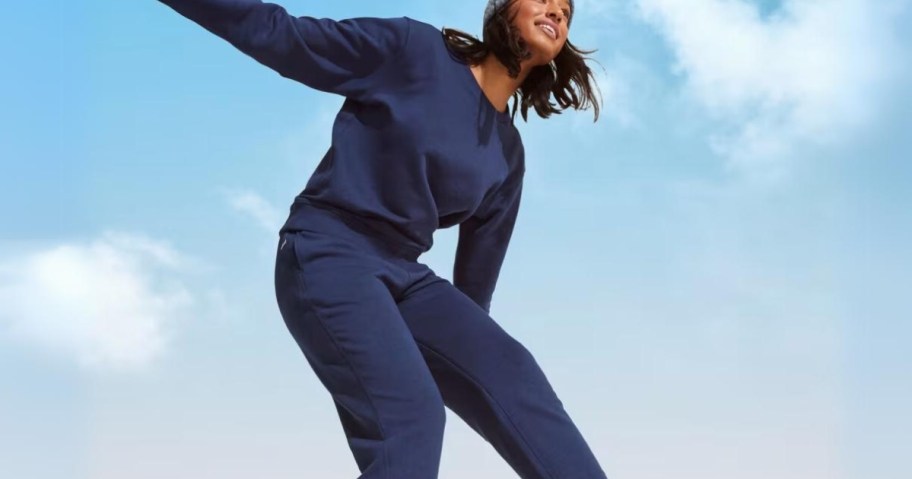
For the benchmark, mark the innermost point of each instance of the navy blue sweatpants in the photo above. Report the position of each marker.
(393, 343)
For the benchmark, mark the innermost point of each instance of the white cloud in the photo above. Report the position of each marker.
(811, 72)
(107, 304)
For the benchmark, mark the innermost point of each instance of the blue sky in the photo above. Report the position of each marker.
(715, 276)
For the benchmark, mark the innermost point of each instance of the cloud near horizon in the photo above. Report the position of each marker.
(105, 304)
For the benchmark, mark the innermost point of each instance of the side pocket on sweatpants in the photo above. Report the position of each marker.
(285, 253)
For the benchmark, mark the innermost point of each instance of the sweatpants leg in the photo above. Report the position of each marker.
(336, 293)
(494, 384)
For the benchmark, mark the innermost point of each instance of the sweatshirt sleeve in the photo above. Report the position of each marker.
(483, 242)
(324, 54)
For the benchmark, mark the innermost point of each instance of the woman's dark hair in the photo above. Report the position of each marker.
(502, 38)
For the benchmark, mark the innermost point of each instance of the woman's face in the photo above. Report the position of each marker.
(531, 16)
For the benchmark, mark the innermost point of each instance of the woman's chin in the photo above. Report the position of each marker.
(545, 57)
(541, 53)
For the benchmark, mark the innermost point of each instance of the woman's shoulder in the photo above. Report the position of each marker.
(422, 28)
(423, 54)
(424, 38)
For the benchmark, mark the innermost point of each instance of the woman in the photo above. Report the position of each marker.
(423, 141)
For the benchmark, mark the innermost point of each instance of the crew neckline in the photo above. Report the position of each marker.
(503, 116)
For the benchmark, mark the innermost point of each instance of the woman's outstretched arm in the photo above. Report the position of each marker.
(324, 54)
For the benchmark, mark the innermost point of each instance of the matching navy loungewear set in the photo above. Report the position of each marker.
(416, 146)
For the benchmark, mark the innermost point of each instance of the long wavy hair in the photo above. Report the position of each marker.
(502, 38)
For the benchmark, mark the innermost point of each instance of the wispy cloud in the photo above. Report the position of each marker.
(107, 304)
(811, 72)
(256, 207)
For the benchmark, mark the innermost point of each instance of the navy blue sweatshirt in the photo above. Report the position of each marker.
(416, 143)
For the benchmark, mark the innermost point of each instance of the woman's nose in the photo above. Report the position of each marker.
(556, 15)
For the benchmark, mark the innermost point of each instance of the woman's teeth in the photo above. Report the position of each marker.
(551, 33)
